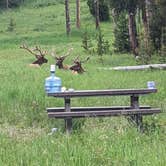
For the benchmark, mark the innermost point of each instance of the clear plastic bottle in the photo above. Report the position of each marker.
(53, 84)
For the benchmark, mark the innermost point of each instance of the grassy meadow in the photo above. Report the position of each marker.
(24, 125)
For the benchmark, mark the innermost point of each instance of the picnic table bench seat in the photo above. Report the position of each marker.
(125, 112)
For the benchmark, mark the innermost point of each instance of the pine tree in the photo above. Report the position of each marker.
(102, 45)
(121, 33)
(130, 7)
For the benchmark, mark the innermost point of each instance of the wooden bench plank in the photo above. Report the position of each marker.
(124, 112)
(109, 92)
(62, 109)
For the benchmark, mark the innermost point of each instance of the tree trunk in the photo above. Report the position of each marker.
(7, 4)
(145, 20)
(96, 4)
(133, 34)
(163, 38)
(144, 17)
(148, 5)
(78, 13)
(114, 15)
(67, 17)
(163, 45)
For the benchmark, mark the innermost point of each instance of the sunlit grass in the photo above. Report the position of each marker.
(25, 127)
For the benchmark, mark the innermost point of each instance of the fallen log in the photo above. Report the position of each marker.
(139, 67)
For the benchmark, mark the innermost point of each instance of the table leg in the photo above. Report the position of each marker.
(137, 119)
(68, 121)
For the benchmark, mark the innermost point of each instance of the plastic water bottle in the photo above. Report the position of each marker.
(151, 85)
(53, 84)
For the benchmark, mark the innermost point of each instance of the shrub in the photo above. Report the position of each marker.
(86, 41)
(121, 34)
(11, 25)
(102, 45)
(97, 45)
(146, 49)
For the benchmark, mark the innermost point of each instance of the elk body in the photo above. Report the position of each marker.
(39, 54)
(59, 63)
(60, 60)
(77, 66)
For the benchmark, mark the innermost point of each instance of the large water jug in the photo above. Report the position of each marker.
(53, 84)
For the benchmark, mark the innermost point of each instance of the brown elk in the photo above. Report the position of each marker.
(60, 59)
(39, 54)
(77, 66)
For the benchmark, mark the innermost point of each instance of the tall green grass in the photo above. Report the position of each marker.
(25, 127)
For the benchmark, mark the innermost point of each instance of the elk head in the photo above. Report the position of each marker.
(60, 59)
(77, 66)
(39, 54)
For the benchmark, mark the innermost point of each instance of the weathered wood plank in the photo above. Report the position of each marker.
(138, 67)
(62, 109)
(126, 112)
(109, 92)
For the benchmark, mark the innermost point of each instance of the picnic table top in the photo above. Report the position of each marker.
(105, 92)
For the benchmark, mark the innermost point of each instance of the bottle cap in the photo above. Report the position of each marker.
(52, 68)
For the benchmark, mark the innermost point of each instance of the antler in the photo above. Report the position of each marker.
(68, 53)
(85, 60)
(39, 54)
(60, 59)
(76, 59)
(42, 53)
(53, 54)
(26, 48)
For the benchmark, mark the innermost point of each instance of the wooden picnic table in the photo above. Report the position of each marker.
(134, 110)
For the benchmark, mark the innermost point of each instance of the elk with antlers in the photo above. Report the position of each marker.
(77, 66)
(39, 54)
(60, 59)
